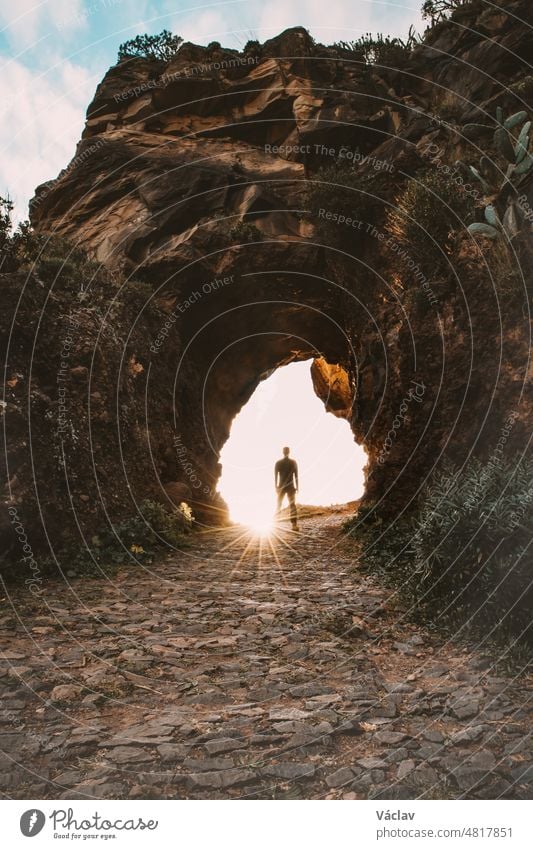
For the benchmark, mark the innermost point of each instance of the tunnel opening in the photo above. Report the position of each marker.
(292, 407)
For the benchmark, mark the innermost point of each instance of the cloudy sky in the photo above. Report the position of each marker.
(54, 52)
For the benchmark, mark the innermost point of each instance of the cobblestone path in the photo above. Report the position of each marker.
(241, 669)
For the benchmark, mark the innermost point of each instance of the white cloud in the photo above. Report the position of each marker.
(233, 23)
(42, 120)
(337, 19)
(203, 28)
(68, 15)
(25, 22)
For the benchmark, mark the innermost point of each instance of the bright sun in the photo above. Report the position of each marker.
(284, 410)
(262, 526)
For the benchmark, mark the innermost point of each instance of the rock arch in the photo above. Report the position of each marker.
(197, 186)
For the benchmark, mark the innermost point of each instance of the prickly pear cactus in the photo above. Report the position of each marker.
(512, 143)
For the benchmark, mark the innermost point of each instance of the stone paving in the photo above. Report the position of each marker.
(241, 669)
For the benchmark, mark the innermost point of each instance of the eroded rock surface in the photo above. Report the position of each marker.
(194, 177)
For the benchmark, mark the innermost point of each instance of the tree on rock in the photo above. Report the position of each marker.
(162, 46)
(436, 10)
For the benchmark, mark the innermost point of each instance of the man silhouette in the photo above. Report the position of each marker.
(286, 483)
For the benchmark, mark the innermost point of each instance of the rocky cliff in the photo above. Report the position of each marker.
(214, 189)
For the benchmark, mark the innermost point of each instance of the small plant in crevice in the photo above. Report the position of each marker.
(523, 89)
(244, 232)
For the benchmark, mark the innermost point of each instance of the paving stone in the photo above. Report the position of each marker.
(405, 768)
(429, 751)
(309, 690)
(467, 735)
(372, 763)
(207, 765)
(172, 752)
(523, 773)
(220, 780)
(289, 771)
(265, 694)
(340, 777)
(287, 714)
(65, 693)
(465, 707)
(433, 736)
(467, 777)
(483, 760)
(68, 778)
(399, 687)
(216, 747)
(395, 755)
(128, 754)
(424, 776)
(391, 738)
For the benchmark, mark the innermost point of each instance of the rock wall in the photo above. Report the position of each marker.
(195, 177)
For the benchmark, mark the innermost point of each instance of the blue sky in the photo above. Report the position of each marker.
(53, 53)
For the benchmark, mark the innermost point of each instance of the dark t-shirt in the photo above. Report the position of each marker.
(286, 472)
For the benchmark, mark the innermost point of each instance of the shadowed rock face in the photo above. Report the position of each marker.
(193, 177)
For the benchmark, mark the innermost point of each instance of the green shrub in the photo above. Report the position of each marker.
(12, 242)
(62, 264)
(436, 10)
(464, 559)
(152, 528)
(163, 46)
(6, 226)
(52, 259)
(379, 49)
(428, 213)
(137, 539)
(470, 542)
(252, 47)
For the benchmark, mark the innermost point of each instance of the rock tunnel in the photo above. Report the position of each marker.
(230, 353)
